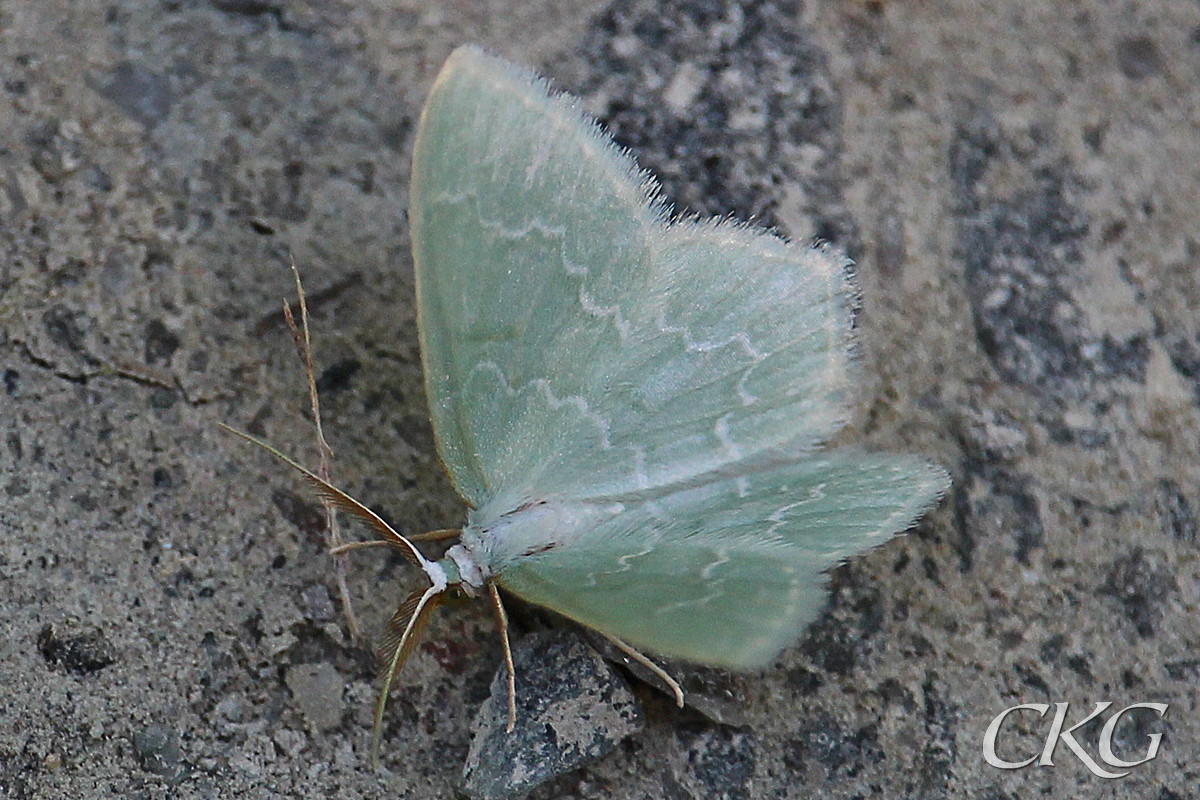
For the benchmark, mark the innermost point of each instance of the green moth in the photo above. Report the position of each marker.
(633, 408)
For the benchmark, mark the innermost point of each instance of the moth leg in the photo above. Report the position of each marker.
(346, 547)
(650, 665)
(436, 536)
(428, 536)
(502, 623)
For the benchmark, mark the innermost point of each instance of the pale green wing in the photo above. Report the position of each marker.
(576, 345)
(727, 573)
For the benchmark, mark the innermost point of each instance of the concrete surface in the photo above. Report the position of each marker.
(1018, 182)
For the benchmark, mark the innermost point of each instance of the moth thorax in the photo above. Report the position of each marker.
(470, 576)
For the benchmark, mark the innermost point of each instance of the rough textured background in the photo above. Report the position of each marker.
(1019, 186)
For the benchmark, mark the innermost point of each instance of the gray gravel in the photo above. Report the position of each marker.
(1017, 181)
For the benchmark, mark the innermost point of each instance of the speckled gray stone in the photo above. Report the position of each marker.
(1019, 184)
(317, 691)
(157, 748)
(716, 694)
(572, 709)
